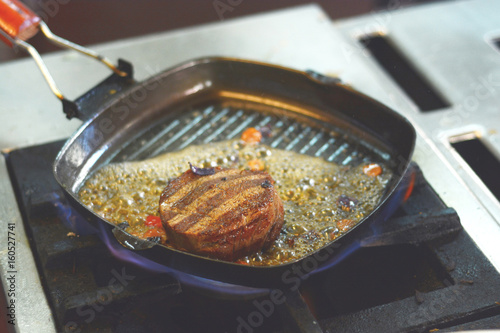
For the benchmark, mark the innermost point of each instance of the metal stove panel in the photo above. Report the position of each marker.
(451, 45)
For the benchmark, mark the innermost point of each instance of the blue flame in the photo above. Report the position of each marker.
(71, 218)
(187, 279)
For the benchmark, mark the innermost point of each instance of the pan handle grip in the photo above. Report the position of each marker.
(17, 22)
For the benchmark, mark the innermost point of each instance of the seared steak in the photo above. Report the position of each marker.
(226, 215)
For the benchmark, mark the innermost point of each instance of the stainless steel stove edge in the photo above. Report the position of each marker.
(24, 292)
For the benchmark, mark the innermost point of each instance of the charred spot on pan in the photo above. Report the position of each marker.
(266, 184)
(347, 203)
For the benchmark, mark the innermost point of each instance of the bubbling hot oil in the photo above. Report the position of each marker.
(322, 200)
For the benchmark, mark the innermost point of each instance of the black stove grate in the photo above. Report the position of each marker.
(421, 272)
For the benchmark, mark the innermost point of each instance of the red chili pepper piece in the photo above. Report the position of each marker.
(153, 221)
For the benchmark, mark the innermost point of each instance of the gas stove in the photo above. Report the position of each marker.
(412, 272)
(444, 277)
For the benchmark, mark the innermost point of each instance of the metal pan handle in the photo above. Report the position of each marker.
(18, 23)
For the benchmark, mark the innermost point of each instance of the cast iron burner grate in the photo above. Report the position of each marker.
(421, 272)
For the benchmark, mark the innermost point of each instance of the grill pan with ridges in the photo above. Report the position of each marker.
(214, 99)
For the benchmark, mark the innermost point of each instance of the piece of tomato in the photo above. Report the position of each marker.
(372, 170)
(153, 221)
(256, 165)
(251, 135)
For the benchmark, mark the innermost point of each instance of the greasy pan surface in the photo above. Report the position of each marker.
(122, 129)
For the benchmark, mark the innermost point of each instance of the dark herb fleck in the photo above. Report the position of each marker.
(123, 225)
(346, 203)
(155, 239)
(266, 184)
(266, 131)
(223, 178)
(201, 171)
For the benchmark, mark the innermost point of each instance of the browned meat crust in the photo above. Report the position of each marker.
(227, 215)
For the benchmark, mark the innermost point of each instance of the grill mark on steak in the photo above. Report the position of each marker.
(205, 202)
(214, 217)
(176, 189)
(236, 206)
(201, 189)
(206, 197)
(235, 210)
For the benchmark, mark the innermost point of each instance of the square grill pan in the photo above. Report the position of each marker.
(214, 99)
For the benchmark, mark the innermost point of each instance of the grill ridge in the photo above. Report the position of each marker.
(217, 123)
